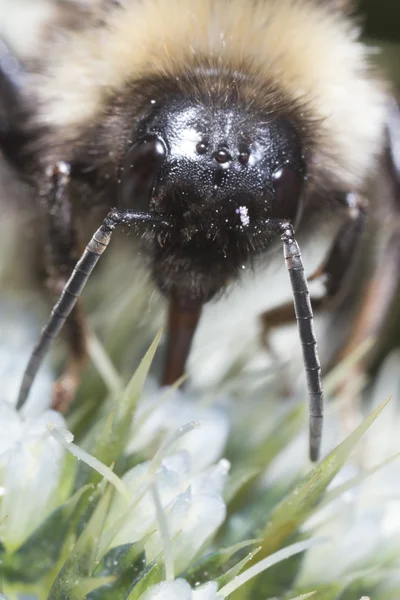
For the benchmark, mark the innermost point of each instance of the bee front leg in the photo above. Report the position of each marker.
(280, 316)
(337, 274)
(61, 257)
(66, 385)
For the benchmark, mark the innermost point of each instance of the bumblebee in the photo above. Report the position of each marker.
(212, 127)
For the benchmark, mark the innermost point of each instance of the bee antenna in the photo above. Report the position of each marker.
(75, 285)
(305, 322)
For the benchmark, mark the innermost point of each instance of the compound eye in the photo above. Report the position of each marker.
(139, 172)
(288, 186)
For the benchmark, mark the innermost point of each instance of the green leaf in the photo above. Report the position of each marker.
(283, 432)
(131, 395)
(287, 517)
(266, 563)
(230, 575)
(250, 521)
(41, 551)
(258, 458)
(153, 575)
(83, 559)
(282, 576)
(216, 564)
(90, 584)
(238, 479)
(303, 596)
(340, 374)
(66, 481)
(107, 440)
(349, 484)
(331, 591)
(118, 559)
(126, 564)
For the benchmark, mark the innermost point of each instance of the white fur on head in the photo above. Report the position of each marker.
(309, 50)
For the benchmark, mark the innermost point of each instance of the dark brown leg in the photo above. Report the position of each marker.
(61, 257)
(378, 316)
(379, 298)
(183, 318)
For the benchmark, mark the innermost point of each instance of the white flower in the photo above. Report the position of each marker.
(31, 463)
(364, 523)
(192, 503)
(205, 443)
(181, 590)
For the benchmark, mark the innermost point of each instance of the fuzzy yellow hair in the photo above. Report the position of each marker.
(306, 49)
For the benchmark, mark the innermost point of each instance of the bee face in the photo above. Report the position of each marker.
(219, 173)
(216, 154)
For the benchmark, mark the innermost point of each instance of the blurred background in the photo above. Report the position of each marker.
(382, 22)
(382, 18)
(381, 25)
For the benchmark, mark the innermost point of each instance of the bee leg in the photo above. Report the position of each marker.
(280, 316)
(74, 286)
(61, 257)
(66, 386)
(336, 272)
(183, 318)
(378, 313)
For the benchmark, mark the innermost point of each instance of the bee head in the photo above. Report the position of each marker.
(191, 159)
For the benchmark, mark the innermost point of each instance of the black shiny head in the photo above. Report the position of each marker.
(220, 174)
